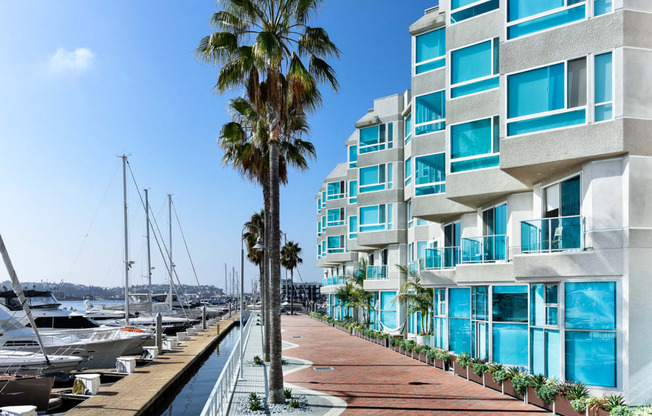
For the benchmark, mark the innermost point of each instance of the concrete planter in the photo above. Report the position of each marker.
(563, 407)
(424, 340)
(442, 365)
(474, 377)
(532, 398)
(508, 389)
(598, 412)
(489, 382)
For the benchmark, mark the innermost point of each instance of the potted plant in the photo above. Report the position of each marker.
(430, 356)
(541, 392)
(611, 402)
(462, 364)
(494, 376)
(478, 368)
(443, 359)
(516, 382)
(570, 400)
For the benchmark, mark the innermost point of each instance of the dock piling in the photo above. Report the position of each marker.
(159, 331)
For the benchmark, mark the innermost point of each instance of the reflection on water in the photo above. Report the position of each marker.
(191, 399)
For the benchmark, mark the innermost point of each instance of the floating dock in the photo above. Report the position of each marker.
(142, 392)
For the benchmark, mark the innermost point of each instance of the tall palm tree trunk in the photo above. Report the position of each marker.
(291, 291)
(276, 366)
(267, 308)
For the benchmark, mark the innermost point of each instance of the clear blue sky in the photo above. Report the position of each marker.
(82, 82)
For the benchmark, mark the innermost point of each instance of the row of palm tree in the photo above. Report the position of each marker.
(262, 47)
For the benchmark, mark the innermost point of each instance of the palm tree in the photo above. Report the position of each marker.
(347, 295)
(290, 260)
(281, 39)
(419, 299)
(244, 141)
(257, 257)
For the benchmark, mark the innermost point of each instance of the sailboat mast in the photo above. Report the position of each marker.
(127, 265)
(149, 254)
(170, 251)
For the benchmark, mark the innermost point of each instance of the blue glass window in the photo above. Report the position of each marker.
(353, 227)
(430, 51)
(510, 304)
(373, 218)
(335, 217)
(375, 178)
(536, 16)
(429, 174)
(408, 171)
(533, 95)
(474, 10)
(336, 244)
(591, 305)
(591, 357)
(459, 302)
(353, 156)
(601, 7)
(459, 335)
(472, 142)
(388, 309)
(603, 87)
(335, 190)
(408, 128)
(376, 138)
(474, 68)
(353, 192)
(430, 113)
(544, 352)
(510, 344)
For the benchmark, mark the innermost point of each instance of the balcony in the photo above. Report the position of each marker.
(442, 258)
(549, 235)
(485, 249)
(377, 272)
(333, 281)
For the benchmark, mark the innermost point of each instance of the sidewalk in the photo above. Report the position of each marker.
(373, 380)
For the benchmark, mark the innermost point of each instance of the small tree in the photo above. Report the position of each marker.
(418, 298)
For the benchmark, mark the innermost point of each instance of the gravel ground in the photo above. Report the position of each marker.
(243, 407)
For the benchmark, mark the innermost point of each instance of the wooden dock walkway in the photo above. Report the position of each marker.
(137, 393)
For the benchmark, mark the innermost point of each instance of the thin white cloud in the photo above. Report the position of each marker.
(76, 62)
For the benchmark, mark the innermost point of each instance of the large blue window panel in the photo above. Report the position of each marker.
(555, 121)
(440, 333)
(470, 139)
(537, 305)
(546, 22)
(510, 304)
(388, 309)
(369, 136)
(408, 128)
(431, 45)
(472, 88)
(372, 175)
(459, 335)
(429, 169)
(369, 215)
(408, 170)
(476, 10)
(591, 358)
(473, 164)
(552, 354)
(471, 62)
(603, 78)
(459, 303)
(353, 227)
(510, 344)
(429, 109)
(536, 91)
(353, 156)
(334, 215)
(591, 305)
(601, 7)
(537, 351)
(520, 9)
(334, 242)
(353, 189)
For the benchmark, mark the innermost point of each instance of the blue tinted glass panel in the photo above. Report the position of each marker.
(601, 7)
(408, 125)
(353, 189)
(591, 305)
(510, 344)
(429, 108)
(519, 9)
(537, 307)
(431, 45)
(537, 351)
(604, 112)
(486, 162)
(591, 358)
(459, 335)
(430, 190)
(368, 175)
(430, 128)
(471, 62)
(408, 167)
(369, 135)
(334, 188)
(510, 303)
(536, 91)
(459, 302)
(475, 11)
(334, 242)
(546, 22)
(353, 224)
(431, 66)
(369, 215)
(603, 78)
(471, 139)
(388, 313)
(456, 4)
(487, 84)
(353, 153)
(552, 354)
(429, 169)
(571, 118)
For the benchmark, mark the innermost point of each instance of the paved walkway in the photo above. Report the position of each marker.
(373, 380)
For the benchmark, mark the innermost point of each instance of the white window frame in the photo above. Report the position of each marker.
(475, 80)
(585, 107)
(449, 156)
(382, 145)
(416, 64)
(414, 172)
(348, 227)
(590, 79)
(353, 199)
(387, 225)
(341, 221)
(508, 24)
(348, 156)
(388, 184)
(335, 197)
(414, 119)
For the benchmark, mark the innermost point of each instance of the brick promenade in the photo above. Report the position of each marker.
(373, 380)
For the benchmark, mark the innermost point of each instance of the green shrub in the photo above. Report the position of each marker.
(443, 355)
(294, 404)
(520, 382)
(595, 402)
(546, 392)
(480, 368)
(538, 380)
(493, 367)
(287, 393)
(612, 401)
(409, 345)
(500, 376)
(394, 341)
(258, 360)
(576, 391)
(464, 360)
(622, 411)
(579, 405)
(254, 402)
(431, 354)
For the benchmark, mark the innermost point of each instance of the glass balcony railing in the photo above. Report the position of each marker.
(377, 272)
(335, 280)
(485, 249)
(442, 258)
(335, 250)
(334, 223)
(552, 234)
(335, 196)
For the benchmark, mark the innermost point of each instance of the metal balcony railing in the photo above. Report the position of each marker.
(485, 249)
(552, 234)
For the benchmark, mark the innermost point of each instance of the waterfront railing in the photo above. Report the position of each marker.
(220, 399)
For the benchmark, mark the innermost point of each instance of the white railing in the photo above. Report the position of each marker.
(219, 401)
